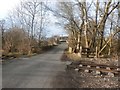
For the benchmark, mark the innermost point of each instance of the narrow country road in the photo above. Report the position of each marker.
(41, 71)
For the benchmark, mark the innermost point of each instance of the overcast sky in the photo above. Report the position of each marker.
(8, 5)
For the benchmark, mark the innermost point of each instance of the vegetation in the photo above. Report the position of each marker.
(93, 27)
(23, 31)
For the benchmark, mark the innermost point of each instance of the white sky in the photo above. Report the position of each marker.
(6, 5)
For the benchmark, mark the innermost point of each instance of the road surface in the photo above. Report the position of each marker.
(41, 71)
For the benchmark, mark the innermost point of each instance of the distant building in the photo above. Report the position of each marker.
(63, 38)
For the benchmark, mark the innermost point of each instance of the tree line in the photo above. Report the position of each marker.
(24, 29)
(93, 26)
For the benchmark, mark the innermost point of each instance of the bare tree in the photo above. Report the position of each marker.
(32, 17)
(87, 26)
(2, 30)
(29, 20)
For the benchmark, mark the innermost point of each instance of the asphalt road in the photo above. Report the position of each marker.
(41, 71)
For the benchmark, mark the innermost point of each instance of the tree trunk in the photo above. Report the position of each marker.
(96, 53)
(109, 52)
(78, 42)
(70, 49)
(80, 52)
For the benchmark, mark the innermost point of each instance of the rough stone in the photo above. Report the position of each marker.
(88, 66)
(86, 70)
(118, 69)
(110, 74)
(80, 65)
(98, 72)
(97, 67)
(108, 68)
(76, 69)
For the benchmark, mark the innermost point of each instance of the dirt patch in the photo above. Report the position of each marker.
(82, 79)
(63, 80)
(88, 80)
(68, 56)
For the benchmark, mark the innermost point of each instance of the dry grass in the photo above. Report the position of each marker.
(73, 56)
(69, 56)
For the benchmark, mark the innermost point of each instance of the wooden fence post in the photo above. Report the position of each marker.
(96, 53)
(80, 51)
